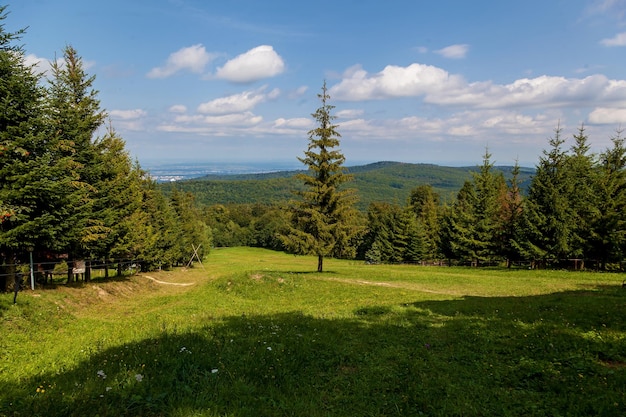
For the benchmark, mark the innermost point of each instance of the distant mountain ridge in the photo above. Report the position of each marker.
(379, 181)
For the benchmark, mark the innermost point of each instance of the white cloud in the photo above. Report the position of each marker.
(178, 108)
(256, 64)
(349, 113)
(40, 65)
(222, 125)
(605, 115)
(295, 126)
(532, 92)
(127, 114)
(617, 40)
(394, 81)
(192, 58)
(437, 86)
(454, 51)
(131, 119)
(236, 103)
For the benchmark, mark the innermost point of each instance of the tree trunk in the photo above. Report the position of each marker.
(320, 262)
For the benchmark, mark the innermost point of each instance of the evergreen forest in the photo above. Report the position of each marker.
(69, 190)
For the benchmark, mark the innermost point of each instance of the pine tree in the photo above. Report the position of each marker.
(608, 237)
(458, 227)
(324, 222)
(25, 168)
(424, 202)
(581, 171)
(549, 219)
(511, 236)
(74, 115)
(489, 186)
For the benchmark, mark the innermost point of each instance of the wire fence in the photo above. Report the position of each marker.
(54, 271)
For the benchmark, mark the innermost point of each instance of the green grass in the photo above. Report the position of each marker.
(259, 334)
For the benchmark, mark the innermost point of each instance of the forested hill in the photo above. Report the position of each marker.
(381, 181)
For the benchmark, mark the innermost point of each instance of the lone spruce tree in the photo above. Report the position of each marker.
(324, 221)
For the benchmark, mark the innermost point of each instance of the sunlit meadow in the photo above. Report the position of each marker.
(253, 332)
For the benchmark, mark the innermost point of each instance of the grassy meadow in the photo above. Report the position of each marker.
(258, 333)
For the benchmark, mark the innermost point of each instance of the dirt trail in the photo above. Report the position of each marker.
(178, 284)
(414, 287)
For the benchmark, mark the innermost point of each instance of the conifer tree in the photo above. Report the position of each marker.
(608, 238)
(548, 215)
(26, 170)
(424, 202)
(510, 236)
(74, 115)
(324, 220)
(458, 229)
(489, 187)
(581, 171)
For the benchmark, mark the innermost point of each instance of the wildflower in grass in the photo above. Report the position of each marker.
(108, 389)
(214, 371)
(269, 348)
(101, 374)
(139, 377)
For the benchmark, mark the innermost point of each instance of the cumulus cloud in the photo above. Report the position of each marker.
(349, 113)
(131, 119)
(40, 65)
(192, 58)
(393, 81)
(256, 64)
(605, 115)
(437, 86)
(127, 114)
(237, 103)
(454, 51)
(531, 92)
(617, 40)
(221, 125)
(178, 108)
(298, 123)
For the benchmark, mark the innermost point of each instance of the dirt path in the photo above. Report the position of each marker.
(178, 284)
(405, 286)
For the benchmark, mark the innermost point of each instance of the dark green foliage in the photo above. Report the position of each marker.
(510, 236)
(191, 231)
(26, 173)
(324, 219)
(607, 242)
(372, 183)
(548, 205)
(65, 191)
(425, 203)
(394, 235)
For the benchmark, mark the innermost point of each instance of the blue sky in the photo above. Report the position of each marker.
(412, 81)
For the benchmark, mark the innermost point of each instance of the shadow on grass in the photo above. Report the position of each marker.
(557, 354)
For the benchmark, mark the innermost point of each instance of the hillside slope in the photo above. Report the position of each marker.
(381, 181)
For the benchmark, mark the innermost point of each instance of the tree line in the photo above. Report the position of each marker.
(68, 187)
(572, 214)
